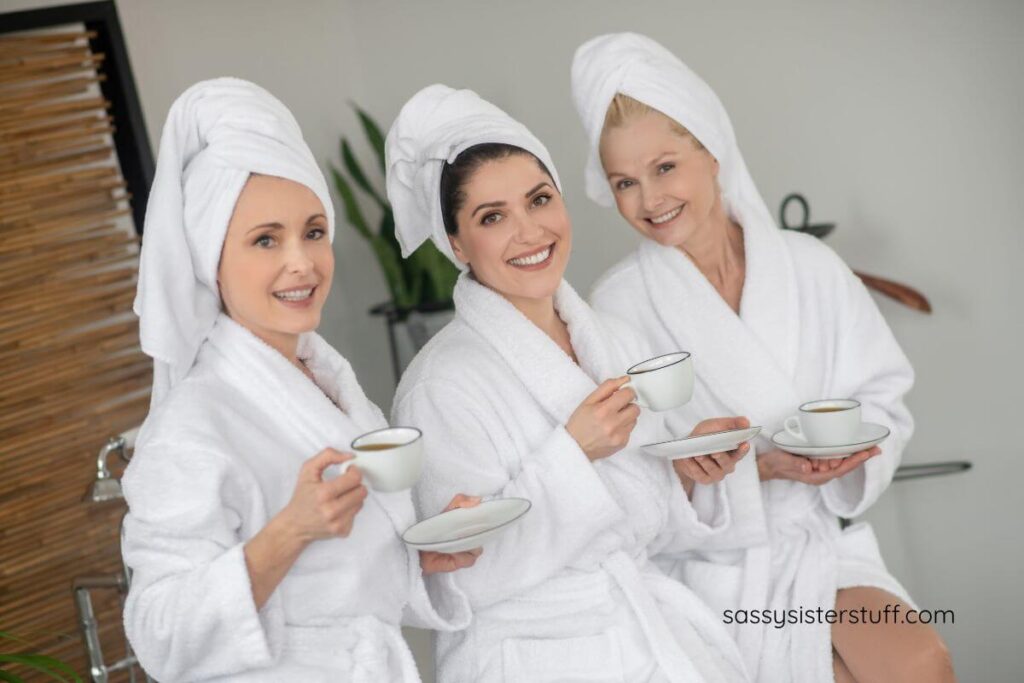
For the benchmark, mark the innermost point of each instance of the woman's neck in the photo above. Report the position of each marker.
(718, 252)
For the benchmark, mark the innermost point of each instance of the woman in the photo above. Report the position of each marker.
(513, 392)
(247, 563)
(774, 320)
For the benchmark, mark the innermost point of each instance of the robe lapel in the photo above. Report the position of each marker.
(743, 361)
(302, 411)
(557, 384)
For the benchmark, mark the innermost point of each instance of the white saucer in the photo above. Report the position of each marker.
(465, 528)
(868, 435)
(705, 444)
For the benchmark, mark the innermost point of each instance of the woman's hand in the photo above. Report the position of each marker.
(779, 464)
(708, 469)
(602, 424)
(434, 563)
(322, 509)
(318, 509)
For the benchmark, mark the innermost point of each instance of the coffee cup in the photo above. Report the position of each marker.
(390, 459)
(663, 382)
(829, 422)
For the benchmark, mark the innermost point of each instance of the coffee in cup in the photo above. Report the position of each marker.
(390, 459)
(829, 422)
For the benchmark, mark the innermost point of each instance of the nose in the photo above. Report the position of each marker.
(528, 230)
(297, 258)
(650, 198)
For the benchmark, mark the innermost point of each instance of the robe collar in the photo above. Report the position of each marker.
(748, 361)
(549, 374)
(305, 412)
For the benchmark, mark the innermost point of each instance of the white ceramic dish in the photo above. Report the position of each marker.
(705, 444)
(465, 528)
(868, 435)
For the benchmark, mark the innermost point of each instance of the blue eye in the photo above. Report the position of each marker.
(264, 241)
(665, 168)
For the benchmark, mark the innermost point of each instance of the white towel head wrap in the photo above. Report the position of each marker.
(641, 68)
(436, 125)
(217, 133)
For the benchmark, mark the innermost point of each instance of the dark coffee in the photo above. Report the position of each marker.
(826, 410)
(377, 446)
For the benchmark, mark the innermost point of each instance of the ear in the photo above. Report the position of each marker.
(457, 248)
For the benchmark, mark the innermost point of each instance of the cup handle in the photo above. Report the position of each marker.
(792, 427)
(639, 401)
(341, 468)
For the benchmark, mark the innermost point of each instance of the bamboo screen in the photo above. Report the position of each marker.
(71, 372)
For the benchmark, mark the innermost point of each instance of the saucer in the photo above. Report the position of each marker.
(704, 444)
(868, 435)
(465, 528)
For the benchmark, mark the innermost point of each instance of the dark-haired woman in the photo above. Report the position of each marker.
(522, 395)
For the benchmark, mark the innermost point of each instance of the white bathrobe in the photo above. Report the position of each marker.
(807, 329)
(214, 462)
(567, 593)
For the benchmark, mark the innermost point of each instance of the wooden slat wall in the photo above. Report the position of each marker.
(71, 372)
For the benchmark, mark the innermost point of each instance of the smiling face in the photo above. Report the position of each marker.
(664, 182)
(276, 265)
(513, 229)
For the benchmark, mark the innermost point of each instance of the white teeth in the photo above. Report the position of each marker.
(539, 257)
(665, 217)
(295, 294)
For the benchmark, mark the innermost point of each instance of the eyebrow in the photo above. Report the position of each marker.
(279, 226)
(657, 160)
(495, 205)
(487, 205)
(534, 190)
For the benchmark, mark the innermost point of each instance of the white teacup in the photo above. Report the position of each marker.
(390, 459)
(829, 422)
(663, 382)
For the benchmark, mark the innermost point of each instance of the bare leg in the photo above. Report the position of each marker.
(890, 650)
(842, 674)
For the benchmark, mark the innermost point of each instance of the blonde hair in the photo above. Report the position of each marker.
(624, 109)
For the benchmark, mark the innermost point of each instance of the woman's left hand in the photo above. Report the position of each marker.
(435, 563)
(779, 464)
(708, 469)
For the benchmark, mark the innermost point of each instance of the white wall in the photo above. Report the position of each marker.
(899, 121)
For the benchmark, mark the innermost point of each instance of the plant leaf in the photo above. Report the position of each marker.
(373, 134)
(353, 214)
(439, 272)
(43, 664)
(407, 268)
(10, 636)
(390, 263)
(10, 678)
(356, 171)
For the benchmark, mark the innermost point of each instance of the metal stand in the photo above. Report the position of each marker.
(106, 488)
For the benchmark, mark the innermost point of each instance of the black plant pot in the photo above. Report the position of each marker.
(409, 329)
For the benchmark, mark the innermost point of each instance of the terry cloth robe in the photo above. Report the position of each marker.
(213, 464)
(807, 329)
(567, 593)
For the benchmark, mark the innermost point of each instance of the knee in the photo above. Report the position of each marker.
(929, 660)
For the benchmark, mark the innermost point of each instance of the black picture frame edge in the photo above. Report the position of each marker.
(131, 140)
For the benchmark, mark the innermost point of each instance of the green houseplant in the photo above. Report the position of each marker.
(421, 285)
(423, 281)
